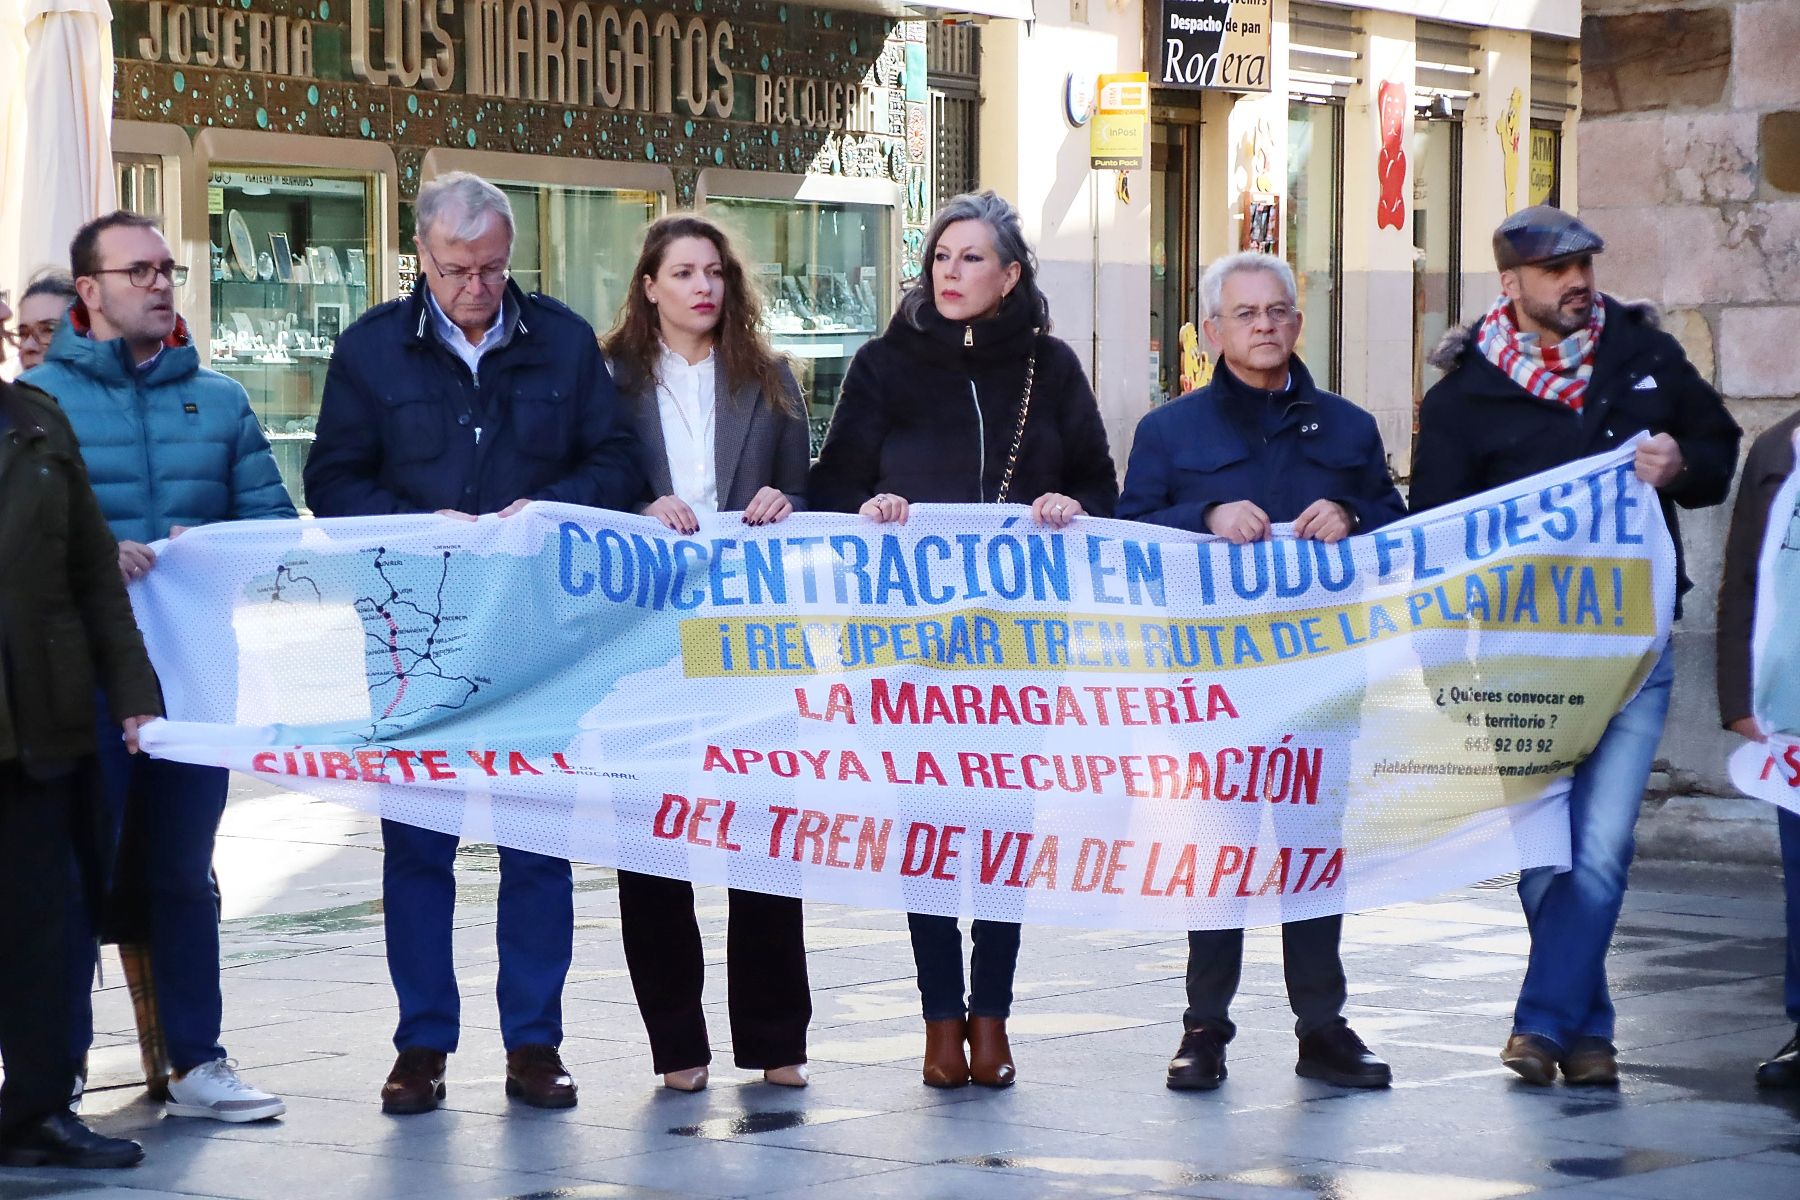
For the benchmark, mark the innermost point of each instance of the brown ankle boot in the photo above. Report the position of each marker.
(990, 1056)
(946, 1066)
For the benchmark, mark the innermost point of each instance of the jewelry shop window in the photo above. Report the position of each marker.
(293, 262)
(825, 272)
(579, 245)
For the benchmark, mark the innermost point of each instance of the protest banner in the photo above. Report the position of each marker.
(1113, 725)
(1771, 770)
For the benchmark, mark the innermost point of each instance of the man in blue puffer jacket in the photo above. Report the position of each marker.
(169, 445)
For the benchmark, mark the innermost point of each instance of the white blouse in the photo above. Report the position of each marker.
(686, 397)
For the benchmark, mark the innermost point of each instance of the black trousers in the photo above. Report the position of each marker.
(1309, 958)
(767, 992)
(37, 822)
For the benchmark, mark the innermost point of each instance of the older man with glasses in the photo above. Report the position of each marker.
(471, 396)
(1261, 445)
(168, 445)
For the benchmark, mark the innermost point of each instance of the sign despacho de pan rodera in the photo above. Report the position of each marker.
(1213, 44)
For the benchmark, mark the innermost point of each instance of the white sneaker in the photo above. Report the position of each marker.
(214, 1090)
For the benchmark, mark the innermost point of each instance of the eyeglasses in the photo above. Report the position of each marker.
(40, 332)
(145, 275)
(1278, 314)
(460, 277)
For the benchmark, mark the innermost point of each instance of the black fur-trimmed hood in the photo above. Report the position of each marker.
(1458, 339)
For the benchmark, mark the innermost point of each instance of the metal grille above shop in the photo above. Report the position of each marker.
(953, 75)
(1553, 78)
(1323, 60)
(1445, 74)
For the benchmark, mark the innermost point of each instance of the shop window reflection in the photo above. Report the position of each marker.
(1437, 237)
(293, 261)
(825, 277)
(578, 245)
(1315, 186)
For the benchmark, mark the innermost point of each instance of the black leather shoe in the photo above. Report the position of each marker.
(1199, 1066)
(1782, 1071)
(1336, 1055)
(61, 1140)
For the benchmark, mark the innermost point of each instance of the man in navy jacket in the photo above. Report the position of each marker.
(471, 397)
(1260, 446)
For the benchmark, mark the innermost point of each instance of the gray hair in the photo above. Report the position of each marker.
(460, 204)
(1008, 232)
(1212, 284)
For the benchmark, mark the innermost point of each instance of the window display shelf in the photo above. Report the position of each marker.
(294, 260)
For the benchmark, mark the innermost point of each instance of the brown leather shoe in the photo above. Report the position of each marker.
(416, 1083)
(990, 1055)
(1530, 1058)
(536, 1075)
(946, 1066)
(1591, 1066)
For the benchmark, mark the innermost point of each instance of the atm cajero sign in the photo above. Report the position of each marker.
(601, 55)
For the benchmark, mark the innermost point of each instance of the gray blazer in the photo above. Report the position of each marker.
(755, 443)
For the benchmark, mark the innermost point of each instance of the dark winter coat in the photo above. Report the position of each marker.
(1279, 450)
(926, 417)
(65, 623)
(1770, 463)
(1478, 429)
(404, 427)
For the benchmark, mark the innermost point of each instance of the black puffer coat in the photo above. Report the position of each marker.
(925, 416)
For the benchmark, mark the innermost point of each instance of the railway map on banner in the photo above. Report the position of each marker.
(1117, 725)
(1771, 770)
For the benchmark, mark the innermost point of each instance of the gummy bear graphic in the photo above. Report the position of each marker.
(1390, 164)
(1507, 127)
(1196, 368)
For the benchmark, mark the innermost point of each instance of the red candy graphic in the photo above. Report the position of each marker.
(1390, 165)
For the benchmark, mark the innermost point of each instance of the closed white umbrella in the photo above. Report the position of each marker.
(12, 136)
(66, 172)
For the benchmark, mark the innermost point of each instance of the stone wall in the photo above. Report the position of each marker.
(1690, 168)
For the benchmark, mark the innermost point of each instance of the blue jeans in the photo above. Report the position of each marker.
(536, 937)
(937, 955)
(1571, 915)
(174, 810)
(1789, 824)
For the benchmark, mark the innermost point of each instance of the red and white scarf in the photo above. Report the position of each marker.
(1560, 372)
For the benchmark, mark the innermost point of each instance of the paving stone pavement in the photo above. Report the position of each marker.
(309, 1014)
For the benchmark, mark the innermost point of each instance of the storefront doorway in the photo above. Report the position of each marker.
(1315, 229)
(1175, 265)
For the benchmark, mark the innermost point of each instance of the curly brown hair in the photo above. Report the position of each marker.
(635, 341)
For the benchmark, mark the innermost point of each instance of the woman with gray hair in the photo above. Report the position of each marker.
(967, 399)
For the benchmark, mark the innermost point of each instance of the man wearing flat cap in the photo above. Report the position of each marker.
(1556, 371)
